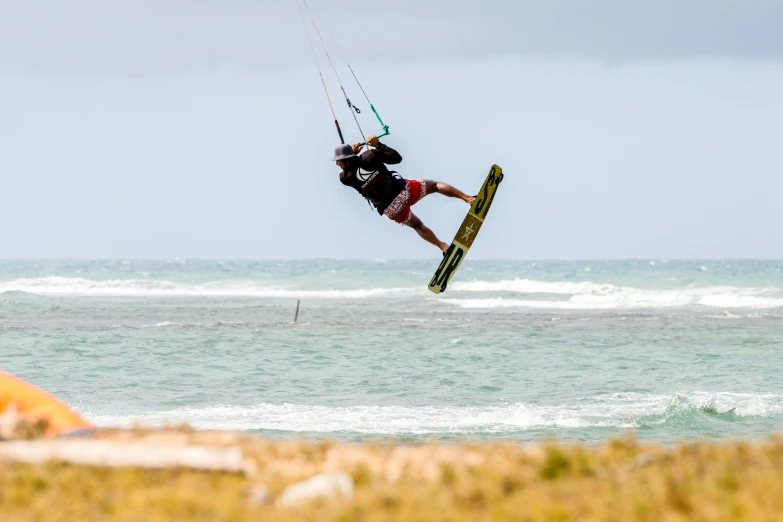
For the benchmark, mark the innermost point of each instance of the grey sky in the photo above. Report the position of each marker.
(146, 36)
(200, 129)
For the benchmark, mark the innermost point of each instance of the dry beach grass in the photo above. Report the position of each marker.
(622, 480)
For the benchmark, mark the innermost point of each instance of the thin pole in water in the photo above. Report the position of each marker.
(296, 316)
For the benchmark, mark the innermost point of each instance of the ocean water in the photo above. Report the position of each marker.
(515, 350)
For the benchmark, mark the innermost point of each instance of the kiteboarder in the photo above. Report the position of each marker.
(387, 191)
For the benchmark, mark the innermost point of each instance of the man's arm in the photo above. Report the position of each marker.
(382, 152)
(387, 154)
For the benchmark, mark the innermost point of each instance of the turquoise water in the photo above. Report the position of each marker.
(513, 350)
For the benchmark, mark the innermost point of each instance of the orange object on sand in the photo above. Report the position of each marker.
(32, 403)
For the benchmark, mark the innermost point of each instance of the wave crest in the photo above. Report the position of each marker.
(620, 410)
(583, 295)
(65, 286)
(609, 297)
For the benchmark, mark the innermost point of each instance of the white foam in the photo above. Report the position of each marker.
(608, 297)
(527, 286)
(388, 420)
(582, 295)
(620, 410)
(588, 295)
(741, 404)
(733, 300)
(64, 286)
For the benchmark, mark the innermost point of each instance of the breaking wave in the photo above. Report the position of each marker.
(619, 410)
(590, 296)
(527, 286)
(562, 295)
(64, 286)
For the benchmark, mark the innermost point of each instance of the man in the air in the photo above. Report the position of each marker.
(390, 194)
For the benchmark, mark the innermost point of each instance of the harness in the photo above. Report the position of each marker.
(372, 179)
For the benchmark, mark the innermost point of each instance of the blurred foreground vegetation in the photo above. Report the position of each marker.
(622, 480)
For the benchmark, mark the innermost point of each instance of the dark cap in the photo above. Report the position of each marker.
(343, 152)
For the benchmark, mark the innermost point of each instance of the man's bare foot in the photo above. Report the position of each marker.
(470, 200)
(444, 247)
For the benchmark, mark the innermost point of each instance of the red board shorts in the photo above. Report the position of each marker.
(399, 210)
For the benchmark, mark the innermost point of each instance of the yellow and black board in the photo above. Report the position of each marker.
(467, 232)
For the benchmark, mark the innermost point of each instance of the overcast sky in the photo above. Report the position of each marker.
(200, 129)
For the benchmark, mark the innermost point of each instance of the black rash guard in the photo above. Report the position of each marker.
(367, 173)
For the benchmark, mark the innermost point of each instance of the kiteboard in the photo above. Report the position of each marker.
(467, 232)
